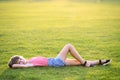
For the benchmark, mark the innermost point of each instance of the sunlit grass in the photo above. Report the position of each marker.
(29, 15)
(43, 28)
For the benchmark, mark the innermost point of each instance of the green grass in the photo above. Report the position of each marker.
(43, 28)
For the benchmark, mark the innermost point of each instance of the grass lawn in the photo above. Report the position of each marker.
(43, 28)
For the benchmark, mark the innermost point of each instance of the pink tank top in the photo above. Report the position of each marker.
(39, 61)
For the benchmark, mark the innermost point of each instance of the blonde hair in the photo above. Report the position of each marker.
(13, 60)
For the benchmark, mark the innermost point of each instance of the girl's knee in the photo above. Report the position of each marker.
(68, 44)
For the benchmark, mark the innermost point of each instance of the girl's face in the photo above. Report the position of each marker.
(21, 60)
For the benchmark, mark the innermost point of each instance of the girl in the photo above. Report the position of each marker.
(60, 60)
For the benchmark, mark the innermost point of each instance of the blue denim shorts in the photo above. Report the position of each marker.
(55, 62)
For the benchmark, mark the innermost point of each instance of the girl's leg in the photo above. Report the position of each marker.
(78, 59)
(74, 62)
(69, 48)
(95, 62)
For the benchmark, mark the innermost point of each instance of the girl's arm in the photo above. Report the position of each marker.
(22, 65)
